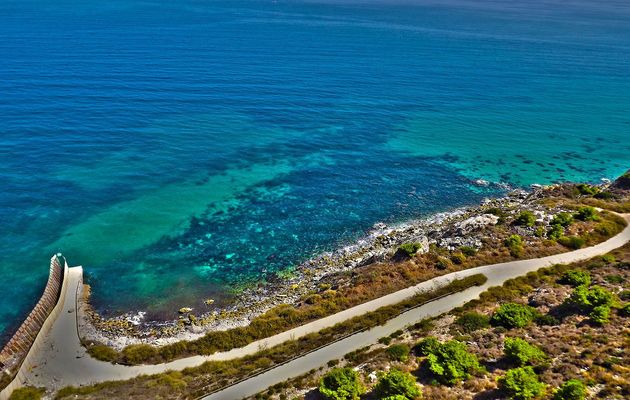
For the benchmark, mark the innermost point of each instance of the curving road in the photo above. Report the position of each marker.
(63, 361)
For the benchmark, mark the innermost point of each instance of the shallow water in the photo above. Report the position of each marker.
(182, 151)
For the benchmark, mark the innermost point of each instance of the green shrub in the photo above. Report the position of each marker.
(599, 296)
(604, 196)
(614, 279)
(572, 242)
(409, 248)
(473, 321)
(546, 319)
(555, 232)
(608, 258)
(572, 389)
(458, 258)
(600, 315)
(513, 315)
(625, 310)
(443, 263)
(515, 244)
(540, 231)
(341, 384)
(521, 384)
(587, 214)
(397, 383)
(563, 219)
(468, 251)
(525, 218)
(521, 352)
(103, 353)
(426, 346)
(398, 352)
(576, 278)
(451, 362)
(27, 393)
(137, 353)
(587, 189)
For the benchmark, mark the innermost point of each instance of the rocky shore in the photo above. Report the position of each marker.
(450, 230)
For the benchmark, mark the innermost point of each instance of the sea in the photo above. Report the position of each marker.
(186, 150)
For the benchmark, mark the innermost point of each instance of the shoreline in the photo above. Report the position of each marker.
(445, 229)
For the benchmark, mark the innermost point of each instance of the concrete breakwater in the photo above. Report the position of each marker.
(18, 348)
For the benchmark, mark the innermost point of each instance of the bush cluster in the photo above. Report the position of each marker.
(514, 315)
(525, 218)
(341, 384)
(521, 352)
(576, 278)
(472, 321)
(396, 385)
(521, 384)
(572, 389)
(450, 362)
(398, 352)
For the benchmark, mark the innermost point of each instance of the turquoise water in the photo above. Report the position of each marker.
(182, 151)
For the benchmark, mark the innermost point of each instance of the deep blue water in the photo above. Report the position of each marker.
(178, 151)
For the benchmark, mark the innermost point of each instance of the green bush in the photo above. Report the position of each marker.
(599, 296)
(398, 352)
(515, 244)
(546, 320)
(103, 353)
(572, 389)
(625, 310)
(525, 218)
(473, 321)
(426, 346)
(521, 384)
(397, 383)
(587, 214)
(521, 352)
(443, 263)
(555, 232)
(409, 248)
(451, 362)
(341, 384)
(458, 258)
(137, 353)
(572, 242)
(600, 315)
(614, 279)
(587, 189)
(576, 278)
(27, 393)
(563, 219)
(468, 251)
(513, 315)
(608, 258)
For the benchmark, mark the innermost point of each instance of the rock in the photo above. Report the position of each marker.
(185, 310)
(208, 302)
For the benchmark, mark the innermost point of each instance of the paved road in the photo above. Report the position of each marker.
(63, 361)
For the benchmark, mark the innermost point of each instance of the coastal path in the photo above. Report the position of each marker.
(63, 361)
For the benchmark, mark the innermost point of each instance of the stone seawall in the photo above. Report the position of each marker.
(16, 351)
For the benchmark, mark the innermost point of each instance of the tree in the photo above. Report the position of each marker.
(587, 214)
(341, 384)
(473, 321)
(521, 384)
(451, 362)
(576, 278)
(398, 352)
(397, 383)
(521, 352)
(513, 315)
(572, 389)
(525, 218)
(563, 219)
